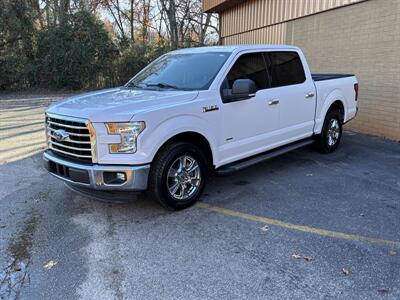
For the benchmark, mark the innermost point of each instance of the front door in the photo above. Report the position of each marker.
(248, 126)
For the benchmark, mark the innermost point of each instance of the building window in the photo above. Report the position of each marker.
(285, 68)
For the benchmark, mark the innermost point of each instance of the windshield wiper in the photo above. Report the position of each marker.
(131, 84)
(163, 85)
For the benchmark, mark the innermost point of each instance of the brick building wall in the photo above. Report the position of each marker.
(361, 38)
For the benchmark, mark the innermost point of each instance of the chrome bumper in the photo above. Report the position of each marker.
(92, 176)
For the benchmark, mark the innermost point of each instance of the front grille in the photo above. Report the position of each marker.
(77, 141)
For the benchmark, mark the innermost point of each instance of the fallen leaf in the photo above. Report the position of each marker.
(296, 256)
(50, 264)
(345, 271)
(392, 253)
(308, 258)
(383, 291)
(265, 228)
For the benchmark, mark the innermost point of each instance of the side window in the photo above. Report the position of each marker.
(249, 66)
(285, 68)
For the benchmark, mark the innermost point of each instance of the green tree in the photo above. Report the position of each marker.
(134, 58)
(77, 55)
(17, 33)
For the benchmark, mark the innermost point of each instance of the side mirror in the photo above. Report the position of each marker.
(242, 89)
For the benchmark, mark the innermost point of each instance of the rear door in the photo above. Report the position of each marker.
(294, 88)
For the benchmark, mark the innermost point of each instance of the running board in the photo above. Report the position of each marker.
(247, 162)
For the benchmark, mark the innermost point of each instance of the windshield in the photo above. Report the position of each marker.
(181, 71)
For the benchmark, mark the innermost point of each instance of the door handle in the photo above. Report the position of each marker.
(310, 95)
(273, 102)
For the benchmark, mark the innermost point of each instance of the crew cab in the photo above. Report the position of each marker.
(193, 112)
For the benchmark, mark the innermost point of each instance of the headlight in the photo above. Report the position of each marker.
(128, 132)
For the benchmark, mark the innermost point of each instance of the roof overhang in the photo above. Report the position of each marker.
(215, 6)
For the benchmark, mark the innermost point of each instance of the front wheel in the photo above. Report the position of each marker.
(178, 175)
(331, 133)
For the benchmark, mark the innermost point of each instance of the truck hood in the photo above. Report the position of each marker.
(118, 104)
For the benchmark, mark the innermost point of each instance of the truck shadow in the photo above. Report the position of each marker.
(218, 187)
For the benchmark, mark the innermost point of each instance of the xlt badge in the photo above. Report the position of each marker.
(210, 108)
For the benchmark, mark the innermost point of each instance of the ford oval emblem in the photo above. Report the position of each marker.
(60, 135)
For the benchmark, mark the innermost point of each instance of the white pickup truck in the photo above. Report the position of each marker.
(192, 112)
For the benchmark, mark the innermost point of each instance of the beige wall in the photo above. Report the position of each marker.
(364, 39)
(253, 14)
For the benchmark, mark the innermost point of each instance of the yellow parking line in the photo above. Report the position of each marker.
(308, 229)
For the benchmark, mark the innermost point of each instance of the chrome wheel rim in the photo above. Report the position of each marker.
(333, 132)
(184, 177)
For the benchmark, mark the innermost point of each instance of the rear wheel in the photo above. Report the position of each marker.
(178, 175)
(331, 133)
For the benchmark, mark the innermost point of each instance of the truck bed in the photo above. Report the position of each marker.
(320, 77)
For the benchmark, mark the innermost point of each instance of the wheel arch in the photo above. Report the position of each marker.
(192, 137)
(335, 100)
(337, 105)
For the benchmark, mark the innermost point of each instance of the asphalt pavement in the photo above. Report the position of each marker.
(301, 226)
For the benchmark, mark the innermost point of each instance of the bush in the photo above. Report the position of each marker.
(77, 55)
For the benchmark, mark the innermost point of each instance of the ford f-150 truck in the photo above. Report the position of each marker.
(196, 111)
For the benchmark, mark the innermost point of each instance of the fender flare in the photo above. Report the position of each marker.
(174, 126)
(335, 95)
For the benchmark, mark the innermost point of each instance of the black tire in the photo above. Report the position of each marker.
(163, 163)
(324, 141)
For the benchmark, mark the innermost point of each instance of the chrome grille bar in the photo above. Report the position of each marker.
(65, 125)
(69, 147)
(73, 141)
(70, 133)
(69, 153)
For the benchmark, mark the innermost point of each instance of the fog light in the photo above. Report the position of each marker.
(114, 177)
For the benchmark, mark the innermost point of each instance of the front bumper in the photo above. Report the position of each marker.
(95, 176)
